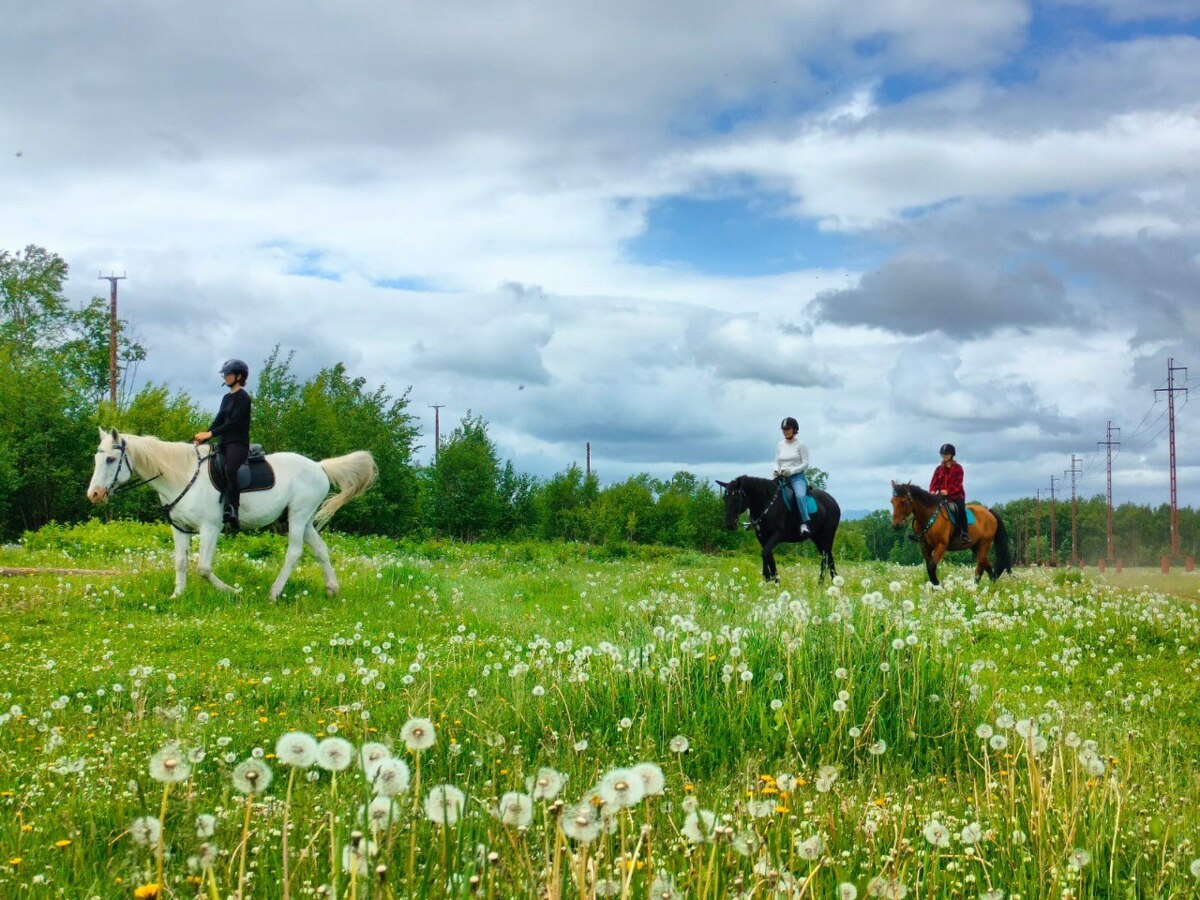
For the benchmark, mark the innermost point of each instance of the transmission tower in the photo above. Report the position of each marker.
(1108, 443)
(1171, 390)
(1053, 547)
(1076, 469)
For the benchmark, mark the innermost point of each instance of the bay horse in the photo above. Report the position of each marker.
(192, 505)
(775, 524)
(937, 534)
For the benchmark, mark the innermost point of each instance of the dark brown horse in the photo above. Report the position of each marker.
(937, 534)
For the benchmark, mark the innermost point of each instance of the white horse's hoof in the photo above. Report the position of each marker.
(331, 590)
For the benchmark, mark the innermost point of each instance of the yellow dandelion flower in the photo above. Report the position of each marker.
(881, 802)
(63, 843)
(688, 787)
(14, 860)
(149, 891)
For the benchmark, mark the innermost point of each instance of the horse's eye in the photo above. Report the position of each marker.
(111, 460)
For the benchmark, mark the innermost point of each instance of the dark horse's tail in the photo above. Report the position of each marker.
(1004, 562)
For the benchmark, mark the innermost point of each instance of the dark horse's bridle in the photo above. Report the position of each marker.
(740, 493)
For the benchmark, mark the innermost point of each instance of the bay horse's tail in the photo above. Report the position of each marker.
(1004, 562)
(351, 475)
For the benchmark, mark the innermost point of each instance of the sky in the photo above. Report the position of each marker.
(658, 228)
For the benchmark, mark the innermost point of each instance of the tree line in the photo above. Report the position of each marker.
(56, 396)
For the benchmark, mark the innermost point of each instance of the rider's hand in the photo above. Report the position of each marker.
(201, 437)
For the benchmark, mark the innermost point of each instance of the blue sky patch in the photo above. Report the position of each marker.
(742, 236)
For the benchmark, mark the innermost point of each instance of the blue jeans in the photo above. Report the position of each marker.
(800, 491)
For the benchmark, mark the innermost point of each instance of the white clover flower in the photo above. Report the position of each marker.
(206, 825)
(169, 765)
(621, 787)
(418, 734)
(936, 833)
(580, 823)
(698, 826)
(971, 833)
(252, 776)
(679, 744)
(444, 804)
(811, 848)
(370, 755)
(335, 754)
(546, 785)
(653, 780)
(145, 830)
(515, 809)
(391, 777)
(296, 748)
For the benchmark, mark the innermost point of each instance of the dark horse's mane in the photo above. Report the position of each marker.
(920, 494)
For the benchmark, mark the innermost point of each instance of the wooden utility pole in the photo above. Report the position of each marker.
(437, 430)
(1171, 390)
(112, 336)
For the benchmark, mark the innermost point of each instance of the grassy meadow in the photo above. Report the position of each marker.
(537, 720)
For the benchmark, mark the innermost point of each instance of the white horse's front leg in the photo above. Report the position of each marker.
(294, 549)
(312, 537)
(208, 546)
(183, 543)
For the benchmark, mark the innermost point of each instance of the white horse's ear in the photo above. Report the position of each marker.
(100, 428)
(115, 436)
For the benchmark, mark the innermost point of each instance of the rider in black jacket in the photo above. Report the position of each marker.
(232, 426)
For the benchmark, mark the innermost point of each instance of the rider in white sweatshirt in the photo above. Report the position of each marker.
(791, 462)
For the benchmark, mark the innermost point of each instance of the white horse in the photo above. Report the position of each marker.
(177, 471)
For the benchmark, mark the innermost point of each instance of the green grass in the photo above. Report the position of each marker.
(587, 659)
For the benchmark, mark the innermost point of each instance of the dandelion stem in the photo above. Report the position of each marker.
(287, 808)
(162, 827)
(245, 841)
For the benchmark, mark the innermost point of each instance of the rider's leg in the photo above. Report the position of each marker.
(235, 455)
(800, 492)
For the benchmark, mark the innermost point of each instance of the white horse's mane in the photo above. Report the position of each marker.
(152, 456)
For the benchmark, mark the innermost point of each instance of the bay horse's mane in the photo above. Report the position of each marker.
(919, 494)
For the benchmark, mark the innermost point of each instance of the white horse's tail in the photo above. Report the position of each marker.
(351, 475)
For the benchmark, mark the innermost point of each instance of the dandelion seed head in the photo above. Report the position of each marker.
(335, 754)
(296, 748)
(252, 776)
(418, 734)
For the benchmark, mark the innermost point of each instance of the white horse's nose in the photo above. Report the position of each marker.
(97, 495)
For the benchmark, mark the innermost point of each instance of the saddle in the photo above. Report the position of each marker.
(255, 474)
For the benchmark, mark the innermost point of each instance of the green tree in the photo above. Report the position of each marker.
(562, 505)
(465, 500)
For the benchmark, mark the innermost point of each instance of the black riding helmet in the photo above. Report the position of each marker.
(235, 367)
(789, 422)
(947, 448)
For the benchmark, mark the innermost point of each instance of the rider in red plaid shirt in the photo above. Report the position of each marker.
(947, 482)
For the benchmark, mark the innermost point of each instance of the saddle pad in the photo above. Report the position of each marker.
(970, 516)
(809, 501)
(255, 474)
